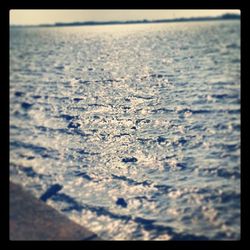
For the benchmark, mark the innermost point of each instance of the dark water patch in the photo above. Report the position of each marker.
(221, 96)
(109, 81)
(157, 75)
(197, 127)
(26, 105)
(18, 94)
(143, 97)
(84, 82)
(180, 166)
(30, 157)
(221, 126)
(222, 83)
(60, 67)
(228, 174)
(162, 110)
(36, 96)
(74, 125)
(72, 203)
(179, 142)
(78, 108)
(62, 131)
(181, 84)
(121, 202)
(184, 110)
(68, 117)
(126, 108)
(231, 147)
(60, 98)
(228, 147)
(188, 237)
(168, 157)
(78, 132)
(211, 111)
(35, 148)
(43, 128)
(143, 140)
(129, 159)
(182, 141)
(147, 224)
(84, 175)
(29, 172)
(77, 99)
(96, 105)
(233, 111)
(130, 181)
(142, 120)
(121, 135)
(142, 198)
(159, 229)
(44, 152)
(230, 98)
(235, 61)
(233, 46)
(163, 188)
(21, 115)
(84, 152)
(27, 157)
(161, 139)
(236, 127)
(50, 192)
(231, 197)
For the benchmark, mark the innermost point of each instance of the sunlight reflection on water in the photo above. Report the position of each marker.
(145, 114)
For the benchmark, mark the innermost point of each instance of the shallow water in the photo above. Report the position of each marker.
(136, 126)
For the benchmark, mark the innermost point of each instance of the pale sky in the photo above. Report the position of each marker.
(32, 17)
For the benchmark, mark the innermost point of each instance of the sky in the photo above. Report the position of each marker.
(34, 17)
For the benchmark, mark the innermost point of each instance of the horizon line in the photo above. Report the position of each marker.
(226, 16)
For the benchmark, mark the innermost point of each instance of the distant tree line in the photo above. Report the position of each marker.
(227, 16)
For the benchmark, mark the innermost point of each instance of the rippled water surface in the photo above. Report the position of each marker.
(138, 126)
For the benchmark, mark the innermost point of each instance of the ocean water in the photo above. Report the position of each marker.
(131, 130)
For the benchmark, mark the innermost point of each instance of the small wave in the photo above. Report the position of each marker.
(130, 181)
(44, 152)
(68, 117)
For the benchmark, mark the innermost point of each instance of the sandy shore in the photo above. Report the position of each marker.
(32, 219)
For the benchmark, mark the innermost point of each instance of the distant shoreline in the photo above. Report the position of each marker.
(93, 23)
